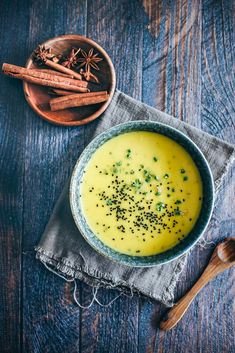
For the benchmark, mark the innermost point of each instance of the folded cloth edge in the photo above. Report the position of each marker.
(64, 268)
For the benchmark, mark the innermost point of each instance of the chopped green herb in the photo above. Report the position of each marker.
(157, 193)
(144, 193)
(178, 202)
(160, 206)
(115, 170)
(132, 171)
(128, 153)
(141, 166)
(177, 212)
(166, 176)
(155, 159)
(118, 164)
(148, 175)
(136, 184)
(185, 178)
(148, 179)
(182, 171)
(109, 202)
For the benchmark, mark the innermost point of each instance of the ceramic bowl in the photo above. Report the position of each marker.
(38, 96)
(207, 204)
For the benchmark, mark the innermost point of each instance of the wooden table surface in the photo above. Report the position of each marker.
(177, 56)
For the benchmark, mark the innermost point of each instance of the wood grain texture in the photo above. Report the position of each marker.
(218, 84)
(172, 58)
(51, 320)
(50, 155)
(11, 180)
(118, 27)
(218, 118)
(175, 55)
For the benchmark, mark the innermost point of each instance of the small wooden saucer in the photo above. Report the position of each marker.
(38, 97)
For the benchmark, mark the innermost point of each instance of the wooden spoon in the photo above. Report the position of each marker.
(222, 258)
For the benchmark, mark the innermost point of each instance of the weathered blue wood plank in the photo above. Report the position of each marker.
(172, 56)
(51, 320)
(51, 152)
(218, 84)
(218, 118)
(12, 127)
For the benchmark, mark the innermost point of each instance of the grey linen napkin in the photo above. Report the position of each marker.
(65, 250)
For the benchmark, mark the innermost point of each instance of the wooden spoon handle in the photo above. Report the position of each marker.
(175, 314)
(178, 310)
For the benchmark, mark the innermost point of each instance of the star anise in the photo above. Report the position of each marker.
(89, 60)
(71, 60)
(41, 54)
(89, 76)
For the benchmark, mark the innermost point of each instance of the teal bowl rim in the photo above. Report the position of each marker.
(207, 204)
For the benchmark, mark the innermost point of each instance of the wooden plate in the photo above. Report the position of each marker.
(38, 97)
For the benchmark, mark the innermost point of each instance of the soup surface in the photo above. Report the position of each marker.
(141, 193)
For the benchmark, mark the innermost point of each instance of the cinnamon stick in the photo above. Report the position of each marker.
(45, 79)
(78, 100)
(42, 74)
(52, 72)
(59, 92)
(61, 68)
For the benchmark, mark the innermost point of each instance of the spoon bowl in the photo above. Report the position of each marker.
(226, 250)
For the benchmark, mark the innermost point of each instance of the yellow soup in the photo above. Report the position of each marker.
(141, 193)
